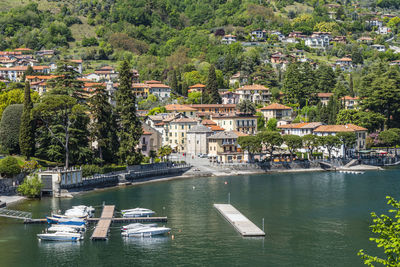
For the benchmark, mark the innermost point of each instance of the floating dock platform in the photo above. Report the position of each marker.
(243, 225)
(103, 225)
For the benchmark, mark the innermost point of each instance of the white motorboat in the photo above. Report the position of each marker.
(137, 225)
(55, 215)
(89, 209)
(60, 236)
(77, 213)
(137, 212)
(65, 228)
(145, 231)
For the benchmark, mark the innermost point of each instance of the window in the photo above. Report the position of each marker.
(183, 127)
(190, 126)
(176, 135)
(191, 112)
(183, 134)
(176, 127)
(144, 140)
(197, 141)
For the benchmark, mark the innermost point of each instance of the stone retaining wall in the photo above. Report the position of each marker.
(269, 166)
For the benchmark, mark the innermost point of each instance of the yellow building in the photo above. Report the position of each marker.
(223, 147)
(246, 124)
(141, 90)
(277, 111)
(176, 131)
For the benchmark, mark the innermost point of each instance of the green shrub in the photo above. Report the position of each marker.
(145, 160)
(113, 168)
(9, 167)
(31, 187)
(89, 170)
(9, 128)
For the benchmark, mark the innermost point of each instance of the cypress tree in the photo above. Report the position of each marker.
(129, 126)
(211, 92)
(174, 82)
(27, 128)
(102, 128)
(351, 85)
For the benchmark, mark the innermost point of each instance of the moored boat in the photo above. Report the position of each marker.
(60, 236)
(145, 231)
(137, 212)
(65, 228)
(137, 225)
(65, 221)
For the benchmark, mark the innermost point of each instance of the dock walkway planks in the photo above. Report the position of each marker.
(102, 227)
(113, 220)
(243, 225)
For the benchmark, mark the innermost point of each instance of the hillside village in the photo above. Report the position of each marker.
(320, 75)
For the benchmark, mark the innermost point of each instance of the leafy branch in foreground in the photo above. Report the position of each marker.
(388, 230)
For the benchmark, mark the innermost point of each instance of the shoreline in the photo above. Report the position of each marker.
(221, 173)
(10, 200)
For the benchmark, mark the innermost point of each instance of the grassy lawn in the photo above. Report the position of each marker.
(323, 59)
(42, 162)
(54, 7)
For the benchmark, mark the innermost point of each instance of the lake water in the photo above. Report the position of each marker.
(311, 219)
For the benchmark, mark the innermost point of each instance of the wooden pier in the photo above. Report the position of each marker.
(113, 220)
(243, 225)
(104, 223)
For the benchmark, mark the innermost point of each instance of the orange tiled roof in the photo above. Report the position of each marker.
(139, 85)
(216, 128)
(339, 128)
(24, 68)
(22, 49)
(274, 106)
(208, 122)
(347, 97)
(152, 82)
(301, 125)
(157, 85)
(253, 87)
(41, 77)
(198, 85)
(213, 105)
(240, 133)
(177, 107)
(324, 94)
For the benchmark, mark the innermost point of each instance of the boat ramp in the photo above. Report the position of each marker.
(243, 225)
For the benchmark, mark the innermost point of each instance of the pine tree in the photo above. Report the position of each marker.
(102, 128)
(129, 127)
(211, 95)
(27, 128)
(66, 81)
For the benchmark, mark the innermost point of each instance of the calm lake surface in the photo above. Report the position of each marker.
(311, 219)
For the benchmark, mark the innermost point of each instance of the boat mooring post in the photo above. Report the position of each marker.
(229, 198)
